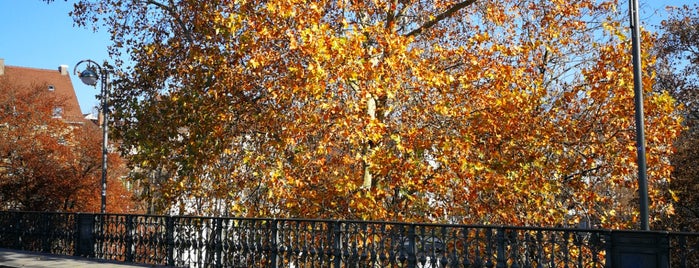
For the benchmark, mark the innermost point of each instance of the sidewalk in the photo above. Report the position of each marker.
(16, 259)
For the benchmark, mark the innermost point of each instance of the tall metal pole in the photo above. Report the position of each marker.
(638, 103)
(90, 76)
(105, 119)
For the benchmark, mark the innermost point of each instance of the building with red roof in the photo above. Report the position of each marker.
(56, 81)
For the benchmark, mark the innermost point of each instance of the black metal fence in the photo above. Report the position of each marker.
(242, 242)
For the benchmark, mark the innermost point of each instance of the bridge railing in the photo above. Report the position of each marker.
(246, 242)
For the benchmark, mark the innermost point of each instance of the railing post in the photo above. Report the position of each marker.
(467, 262)
(501, 258)
(273, 245)
(607, 249)
(337, 250)
(639, 249)
(513, 238)
(46, 223)
(170, 237)
(85, 237)
(128, 240)
(682, 245)
(489, 247)
(101, 236)
(17, 230)
(412, 258)
(218, 248)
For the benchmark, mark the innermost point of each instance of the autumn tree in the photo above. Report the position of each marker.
(499, 112)
(678, 72)
(49, 164)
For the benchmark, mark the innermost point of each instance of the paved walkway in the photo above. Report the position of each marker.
(16, 259)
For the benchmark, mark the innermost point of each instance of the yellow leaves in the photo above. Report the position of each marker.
(443, 110)
(614, 29)
(664, 100)
(674, 196)
(481, 37)
(609, 217)
(292, 69)
(471, 110)
(282, 9)
(149, 49)
(264, 31)
(609, 27)
(496, 14)
(316, 69)
(293, 44)
(375, 130)
(314, 6)
(272, 7)
(253, 63)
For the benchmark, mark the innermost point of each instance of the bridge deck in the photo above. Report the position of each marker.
(15, 259)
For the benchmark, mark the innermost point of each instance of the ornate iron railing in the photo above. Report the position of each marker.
(242, 242)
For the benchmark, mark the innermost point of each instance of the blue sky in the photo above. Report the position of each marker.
(39, 35)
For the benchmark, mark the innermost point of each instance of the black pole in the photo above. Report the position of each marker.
(638, 103)
(105, 118)
(90, 76)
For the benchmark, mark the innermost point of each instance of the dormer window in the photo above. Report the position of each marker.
(52, 88)
(57, 112)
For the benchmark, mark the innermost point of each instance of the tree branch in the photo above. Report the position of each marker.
(441, 17)
(170, 10)
(581, 173)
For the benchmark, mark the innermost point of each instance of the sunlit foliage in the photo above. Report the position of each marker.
(48, 164)
(496, 112)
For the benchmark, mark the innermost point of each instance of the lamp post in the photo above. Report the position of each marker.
(94, 72)
(638, 104)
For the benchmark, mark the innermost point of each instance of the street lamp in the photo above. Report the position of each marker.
(94, 72)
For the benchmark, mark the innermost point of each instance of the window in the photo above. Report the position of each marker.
(57, 112)
(52, 88)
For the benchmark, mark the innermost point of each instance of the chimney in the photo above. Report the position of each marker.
(63, 69)
(2, 66)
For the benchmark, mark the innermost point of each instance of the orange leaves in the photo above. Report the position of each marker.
(498, 112)
(48, 163)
